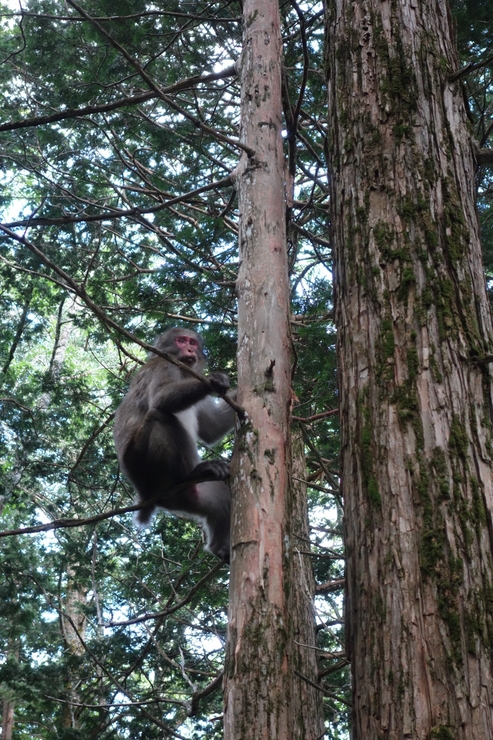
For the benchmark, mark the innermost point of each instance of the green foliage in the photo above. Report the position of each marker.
(473, 22)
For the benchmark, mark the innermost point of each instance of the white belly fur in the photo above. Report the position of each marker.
(188, 419)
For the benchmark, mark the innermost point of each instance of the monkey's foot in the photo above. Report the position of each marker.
(210, 470)
(222, 553)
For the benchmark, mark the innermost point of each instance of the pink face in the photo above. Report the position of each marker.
(188, 347)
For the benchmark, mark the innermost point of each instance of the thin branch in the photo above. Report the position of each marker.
(159, 92)
(317, 487)
(469, 68)
(315, 417)
(122, 103)
(120, 213)
(79, 290)
(198, 695)
(311, 236)
(329, 694)
(170, 610)
(119, 705)
(301, 18)
(67, 523)
(22, 407)
(88, 442)
(20, 328)
(144, 14)
(103, 668)
(333, 668)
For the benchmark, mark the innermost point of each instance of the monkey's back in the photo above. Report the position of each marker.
(156, 449)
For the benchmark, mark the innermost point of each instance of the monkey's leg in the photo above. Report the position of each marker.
(214, 502)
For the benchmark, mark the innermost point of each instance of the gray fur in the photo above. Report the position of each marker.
(156, 429)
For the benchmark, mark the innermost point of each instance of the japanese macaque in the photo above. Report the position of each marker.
(156, 429)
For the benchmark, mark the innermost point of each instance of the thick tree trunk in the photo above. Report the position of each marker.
(416, 409)
(257, 678)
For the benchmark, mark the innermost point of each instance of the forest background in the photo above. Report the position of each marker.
(120, 215)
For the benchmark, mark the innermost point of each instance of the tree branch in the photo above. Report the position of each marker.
(123, 103)
(67, 523)
(159, 92)
(458, 74)
(484, 157)
(170, 610)
(79, 290)
(329, 694)
(315, 417)
(329, 586)
(119, 213)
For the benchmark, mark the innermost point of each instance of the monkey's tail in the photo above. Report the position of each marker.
(143, 516)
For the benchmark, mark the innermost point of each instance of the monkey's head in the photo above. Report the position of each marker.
(185, 344)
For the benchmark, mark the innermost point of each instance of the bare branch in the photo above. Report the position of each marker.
(315, 417)
(107, 321)
(329, 586)
(130, 16)
(329, 694)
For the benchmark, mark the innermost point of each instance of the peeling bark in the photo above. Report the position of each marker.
(416, 407)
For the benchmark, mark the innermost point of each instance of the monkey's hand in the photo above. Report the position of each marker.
(219, 382)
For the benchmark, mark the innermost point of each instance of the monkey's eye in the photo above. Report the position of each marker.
(193, 342)
(181, 340)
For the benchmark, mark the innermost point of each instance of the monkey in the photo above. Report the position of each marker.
(156, 429)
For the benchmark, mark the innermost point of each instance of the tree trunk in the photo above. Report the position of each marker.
(73, 623)
(7, 719)
(257, 678)
(306, 699)
(8, 703)
(416, 408)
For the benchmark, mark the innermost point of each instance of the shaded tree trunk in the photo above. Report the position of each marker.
(7, 719)
(73, 623)
(306, 701)
(416, 409)
(8, 703)
(258, 669)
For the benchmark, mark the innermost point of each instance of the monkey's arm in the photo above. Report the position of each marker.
(215, 418)
(176, 396)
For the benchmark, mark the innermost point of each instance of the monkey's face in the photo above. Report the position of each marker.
(185, 345)
(187, 349)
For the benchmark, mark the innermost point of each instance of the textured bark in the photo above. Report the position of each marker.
(257, 677)
(416, 408)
